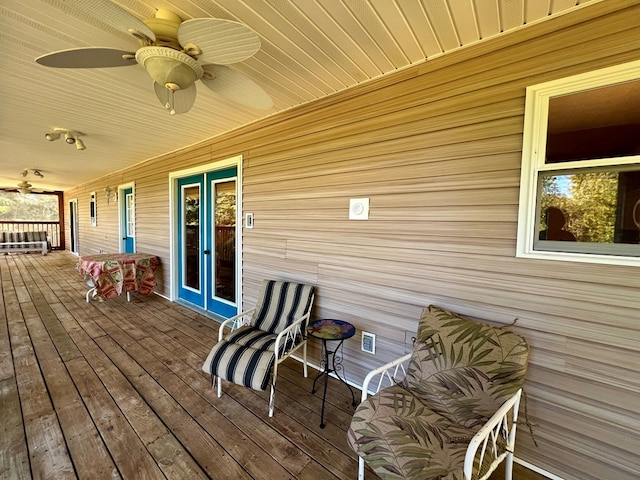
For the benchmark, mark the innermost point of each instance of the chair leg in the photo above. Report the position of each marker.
(360, 468)
(272, 397)
(508, 466)
(304, 359)
(219, 380)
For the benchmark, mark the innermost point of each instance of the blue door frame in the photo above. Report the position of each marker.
(197, 252)
(128, 221)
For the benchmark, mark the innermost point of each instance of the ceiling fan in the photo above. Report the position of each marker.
(24, 186)
(174, 53)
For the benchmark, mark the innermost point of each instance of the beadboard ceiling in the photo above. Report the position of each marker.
(310, 49)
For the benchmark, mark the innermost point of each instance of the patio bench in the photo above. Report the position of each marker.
(24, 242)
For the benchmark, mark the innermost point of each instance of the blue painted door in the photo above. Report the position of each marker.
(207, 265)
(222, 280)
(128, 221)
(191, 240)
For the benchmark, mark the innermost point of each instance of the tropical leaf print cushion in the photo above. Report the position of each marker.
(460, 372)
(465, 369)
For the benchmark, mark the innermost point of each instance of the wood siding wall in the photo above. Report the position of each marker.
(437, 150)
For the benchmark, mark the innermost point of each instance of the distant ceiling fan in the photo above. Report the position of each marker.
(175, 54)
(24, 186)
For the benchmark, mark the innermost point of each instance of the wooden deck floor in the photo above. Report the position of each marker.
(114, 390)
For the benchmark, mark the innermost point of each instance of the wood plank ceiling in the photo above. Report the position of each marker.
(310, 49)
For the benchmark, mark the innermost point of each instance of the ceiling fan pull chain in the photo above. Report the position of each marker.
(171, 103)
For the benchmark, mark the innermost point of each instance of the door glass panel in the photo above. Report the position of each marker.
(130, 215)
(191, 225)
(225, 240)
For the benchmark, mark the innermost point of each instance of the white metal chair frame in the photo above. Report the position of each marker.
(502, 425)
(292, 338)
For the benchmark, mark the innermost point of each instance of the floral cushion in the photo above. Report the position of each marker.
(465, 369)
(460, 373)
(400, 437)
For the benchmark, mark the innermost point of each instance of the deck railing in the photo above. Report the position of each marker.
(52, 229)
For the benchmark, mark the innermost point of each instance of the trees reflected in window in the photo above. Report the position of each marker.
(593, 207)
(580, 184)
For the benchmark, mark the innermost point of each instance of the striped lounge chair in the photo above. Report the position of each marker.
(262, 337)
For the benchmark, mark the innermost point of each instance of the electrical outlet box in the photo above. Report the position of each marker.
(368, 342)
(409, 340)
(248, 220)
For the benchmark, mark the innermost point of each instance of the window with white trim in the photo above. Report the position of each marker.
(93, 214)
(580, 181)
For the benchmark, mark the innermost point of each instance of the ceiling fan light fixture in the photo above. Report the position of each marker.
(168, 67)
(52, 136)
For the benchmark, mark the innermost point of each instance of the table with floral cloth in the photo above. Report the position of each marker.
(115, 273)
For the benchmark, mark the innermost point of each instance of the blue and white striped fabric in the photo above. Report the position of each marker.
(246, 355)
(242, 365)
(279, 304)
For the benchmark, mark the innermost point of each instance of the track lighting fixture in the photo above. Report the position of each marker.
(70, 137)
(37, 173)
(52, 136)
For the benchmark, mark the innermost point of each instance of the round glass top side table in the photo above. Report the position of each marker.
(330, 330)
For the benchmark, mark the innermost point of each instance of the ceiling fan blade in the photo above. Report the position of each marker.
(112, 15)
(87, 57)
(180, 101)
(236, 86)
(221, 41)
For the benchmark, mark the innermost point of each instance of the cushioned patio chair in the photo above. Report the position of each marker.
(454, 414)
(263, 337)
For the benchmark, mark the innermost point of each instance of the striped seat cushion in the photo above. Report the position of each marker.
(252, 337)
(280, 304)
(241, 364)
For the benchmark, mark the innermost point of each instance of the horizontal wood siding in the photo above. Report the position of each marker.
(437, 150)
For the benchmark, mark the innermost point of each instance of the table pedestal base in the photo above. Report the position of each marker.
(331, 366)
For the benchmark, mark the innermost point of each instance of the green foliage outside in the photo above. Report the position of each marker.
(589, 204)
(225, 210)
(18, 207)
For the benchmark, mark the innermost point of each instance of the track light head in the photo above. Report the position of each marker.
(71, 137)
(37, 173)
(52, 136)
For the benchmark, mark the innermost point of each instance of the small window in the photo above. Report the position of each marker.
(580, 183)
(92, 209)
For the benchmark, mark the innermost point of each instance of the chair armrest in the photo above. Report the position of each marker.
(388, 371)
(289, 335)
(502, 426)
(243, 318)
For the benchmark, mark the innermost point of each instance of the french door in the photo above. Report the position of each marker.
(207, 237)
(128, 220)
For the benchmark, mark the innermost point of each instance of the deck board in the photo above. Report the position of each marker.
(115, 390)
